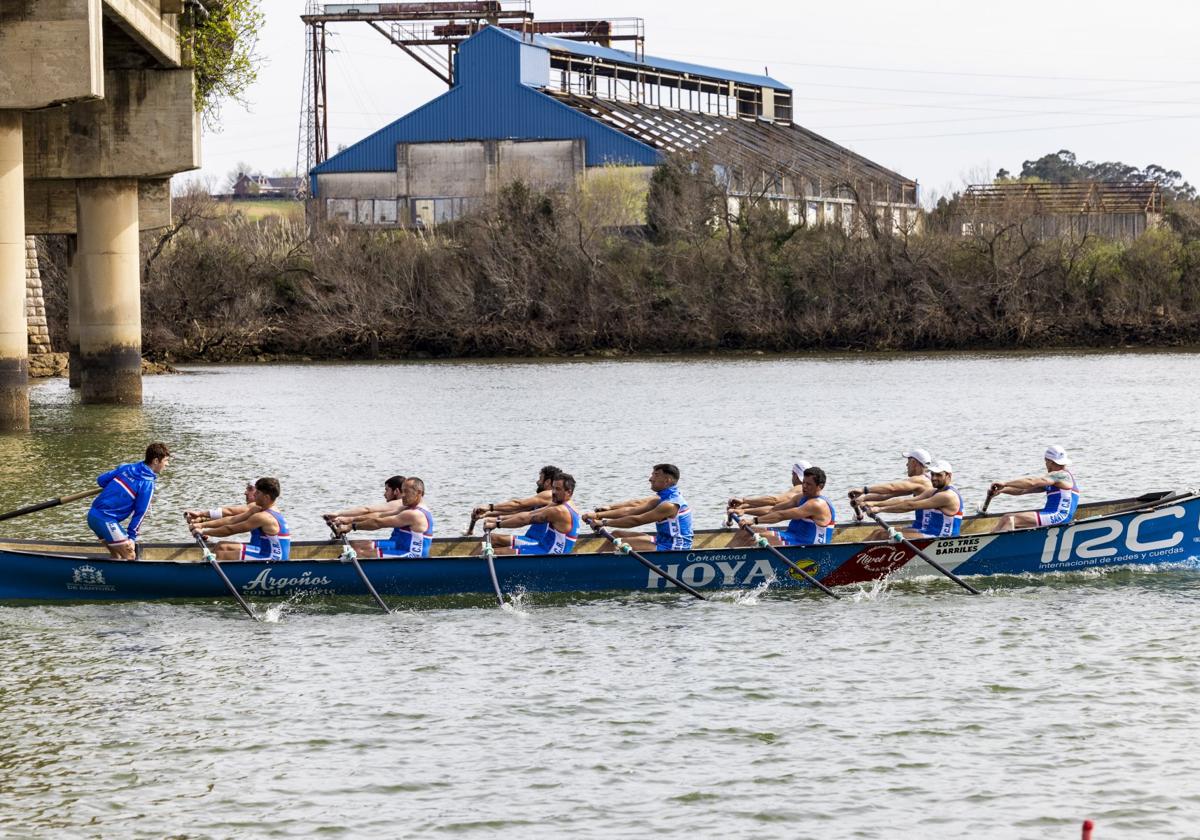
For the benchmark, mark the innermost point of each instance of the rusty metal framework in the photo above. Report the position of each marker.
(1067, 198)
(430, 33)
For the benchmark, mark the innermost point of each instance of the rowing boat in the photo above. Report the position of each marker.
(1158, 528)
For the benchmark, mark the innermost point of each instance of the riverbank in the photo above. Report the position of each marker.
(542, 276)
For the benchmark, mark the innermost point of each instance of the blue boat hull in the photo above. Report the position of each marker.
(1163, 533)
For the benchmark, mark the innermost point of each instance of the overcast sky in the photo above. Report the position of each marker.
(943, 92)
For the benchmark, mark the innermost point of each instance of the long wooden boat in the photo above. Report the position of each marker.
(1154, 529)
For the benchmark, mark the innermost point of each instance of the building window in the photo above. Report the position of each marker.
(340, 210)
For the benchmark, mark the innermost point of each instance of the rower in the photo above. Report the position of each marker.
(270, 538)
(668, 511)
(915, 483)
(754, 505)
(393, 502)
(411, 524)
(941, 504)
(560, 518)
(810, 517)
(227, 510)
(543, 497)
(1058, 483)
(127, 492)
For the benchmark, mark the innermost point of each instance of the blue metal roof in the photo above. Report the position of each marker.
(489, 102)
(648, 62)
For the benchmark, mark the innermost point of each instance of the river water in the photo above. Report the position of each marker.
(908, 710)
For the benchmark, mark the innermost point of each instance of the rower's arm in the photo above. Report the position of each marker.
(361, 510)
(661, 511)
(786, 513)
(544, 513)
(928, 501)
(240, 525)
(1023, 486)
(628, 508)
(518, 505)
(403, 519)
(889, 489)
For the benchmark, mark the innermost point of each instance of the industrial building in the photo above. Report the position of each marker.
(552, 112)
(1121, 210)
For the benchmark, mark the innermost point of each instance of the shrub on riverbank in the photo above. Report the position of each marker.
(541, 274)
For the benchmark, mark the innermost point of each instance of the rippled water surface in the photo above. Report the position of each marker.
(905, 711)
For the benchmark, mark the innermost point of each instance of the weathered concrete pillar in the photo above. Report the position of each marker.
(14, 352)
(74, 365)
(110, 295)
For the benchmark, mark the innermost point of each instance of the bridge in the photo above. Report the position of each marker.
(96, 113)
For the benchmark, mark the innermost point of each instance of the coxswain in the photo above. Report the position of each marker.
(393, 502)
(1058, 483)
(543, 497)
(227, 510)
(270, 538)
(560, 518)
(411, 524)
(666, 510)
(126, 494)
(941, 505)
(915, 483)
(810, 517)
(751, 505)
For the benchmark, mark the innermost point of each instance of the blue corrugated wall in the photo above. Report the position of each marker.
(489, 102)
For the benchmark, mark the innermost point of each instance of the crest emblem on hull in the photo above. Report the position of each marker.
(88, 578)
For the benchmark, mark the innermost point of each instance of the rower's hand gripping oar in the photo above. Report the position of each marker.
(991, 494)
(489, 554)
(896, 536)
(211, 559)
(61, 500)
(349, 555)
(623, 547)
(761, 542)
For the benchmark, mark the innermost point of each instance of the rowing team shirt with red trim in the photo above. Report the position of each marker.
(939, 524)
(1060, 504)
(674, 534)
(552, 541)
(405, 542)
(128, 490)
(806, 531)
(275, 547)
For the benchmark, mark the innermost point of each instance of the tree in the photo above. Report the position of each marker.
(1063, 167)
(219, 38)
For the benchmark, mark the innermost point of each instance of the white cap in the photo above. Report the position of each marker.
(1058, 455)
(921, 455)
(941, 467)
(799, 467)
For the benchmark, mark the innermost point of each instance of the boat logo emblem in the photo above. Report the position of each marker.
(882, 558)
(808, 565)
(88, 578)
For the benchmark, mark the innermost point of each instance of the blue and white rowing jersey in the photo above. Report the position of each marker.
(674, 534)
(552, 541)
(806, 531)
(1060, 504)
(276, 547)
(128, 490)
(941, 524)
(405, 542)
(537, 531)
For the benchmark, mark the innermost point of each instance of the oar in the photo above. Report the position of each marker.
(489, 555)
(625, 548)
(761, 542)
(991, 494)
(471, 528)
(858, 514)
(898, 537)
(61, 500)
(349, 555)
(211, 559)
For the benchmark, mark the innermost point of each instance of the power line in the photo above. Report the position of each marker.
(1015, 130)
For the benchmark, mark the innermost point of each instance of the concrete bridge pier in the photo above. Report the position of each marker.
(74, 366)
(14, 339)
(109, 285)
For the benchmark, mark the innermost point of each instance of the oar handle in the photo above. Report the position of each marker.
(991, 494)
(898, 537)
(761, 542)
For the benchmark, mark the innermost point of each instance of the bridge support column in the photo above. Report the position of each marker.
(14, 333)
(110, 295)
(74, 365)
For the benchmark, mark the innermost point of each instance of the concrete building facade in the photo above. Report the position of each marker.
(552, 112)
